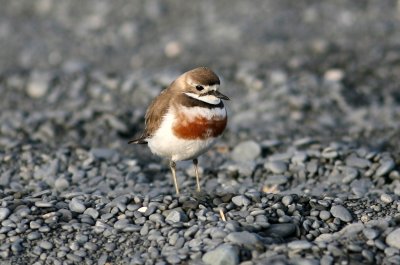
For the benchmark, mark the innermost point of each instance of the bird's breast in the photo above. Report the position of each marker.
(197, 123)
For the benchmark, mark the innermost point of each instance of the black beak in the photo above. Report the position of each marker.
(218, 94)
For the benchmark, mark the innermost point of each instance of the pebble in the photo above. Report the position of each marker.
(241, 200)
(103, 153)
(224, 254)
(299, 245)
(386, 198)
(385, 168)
(45, 245)
(4, 213)
(245, 239)
(393, 239)
(38, 85)
(176, 216)
(354, 161)
(246, 151)
(342, 213)
(76, 205)
(276, 167)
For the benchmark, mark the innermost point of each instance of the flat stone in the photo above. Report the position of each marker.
(385, 167)
(342, 213)
(354, 161)
(76, 205)
(276, 180)
(4, 213)
(276, 167)
(281, 230)
(245, 239)
(386, 198)
(299, 245)
(121, 224)
(248, 150)
(176, 215)
(393, 239)
(241, 200)
(103, 153)
(223, 255)
(38, 85)
(92, 212)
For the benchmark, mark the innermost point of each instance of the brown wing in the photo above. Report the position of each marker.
(154, 115)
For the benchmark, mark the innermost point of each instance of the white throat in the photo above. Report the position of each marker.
(210, 99)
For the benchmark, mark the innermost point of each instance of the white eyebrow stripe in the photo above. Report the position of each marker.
(210, 99)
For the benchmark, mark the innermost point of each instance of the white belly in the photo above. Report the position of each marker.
(164, 143)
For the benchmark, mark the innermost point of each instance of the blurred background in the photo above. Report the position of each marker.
(325, 69)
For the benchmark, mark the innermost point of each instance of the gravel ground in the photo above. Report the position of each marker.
(307, 172)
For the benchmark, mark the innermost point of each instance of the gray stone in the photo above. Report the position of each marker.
(350, 173)
(385, 167)
(121, 224)
(76, 205)
(299, 245)
(281, 230)
(370, 233)
(248, 150)
(287, 200)
(92, 212)
(324, 215)
(276, 167)
(103, 153)
(245, 239)
(176, 215)
(342, 213)
(45, 244)
(386, 198)
(241, 200)
(4, 213)
(277, 180)
(354, 161)
(38, 85)
(393, 239)
(223, 255)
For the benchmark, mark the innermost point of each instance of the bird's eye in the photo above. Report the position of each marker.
(199, 87)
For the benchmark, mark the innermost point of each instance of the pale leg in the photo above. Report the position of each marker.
(172, 165)
(196, 170)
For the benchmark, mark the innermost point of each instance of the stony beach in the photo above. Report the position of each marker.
(307, 173)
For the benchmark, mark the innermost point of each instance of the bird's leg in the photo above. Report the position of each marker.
(172, 165)
(196, 170)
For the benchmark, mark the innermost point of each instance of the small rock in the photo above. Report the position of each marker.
(299, 245)
(121, 224)
(386, 198)
(393, 239)
(223, 255)
(103, 153)
(4, 213)
(241, 200)
(342, 213)
(324, 215)
(248, 150)
(277, 167)
(287, 200)
(354, 161)
(385, 168)
(77, 205)
(370, 233)
(281, 230)
(176, 215)
(245, 239)
(38, 85)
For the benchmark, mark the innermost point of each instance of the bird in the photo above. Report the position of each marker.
(185, 119)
